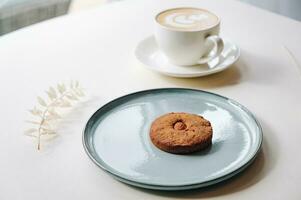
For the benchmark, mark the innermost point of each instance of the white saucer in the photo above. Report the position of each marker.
(148, 53)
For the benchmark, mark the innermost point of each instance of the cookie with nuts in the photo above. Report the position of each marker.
(181, 133)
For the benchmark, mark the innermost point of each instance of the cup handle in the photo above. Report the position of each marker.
(215, 51)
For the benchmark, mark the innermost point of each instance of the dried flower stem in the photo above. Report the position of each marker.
(45, 112)
(57, 99)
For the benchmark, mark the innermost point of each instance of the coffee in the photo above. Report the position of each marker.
(184, 34)
(187, 19)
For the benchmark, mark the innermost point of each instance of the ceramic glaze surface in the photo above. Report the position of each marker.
(117, 138)
(149, 55)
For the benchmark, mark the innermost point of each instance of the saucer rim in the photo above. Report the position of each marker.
(214, 70)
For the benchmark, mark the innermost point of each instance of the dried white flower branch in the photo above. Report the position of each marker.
(46, 113)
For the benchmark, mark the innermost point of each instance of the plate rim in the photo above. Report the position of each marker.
(188, 75)
(188, 187)
(166, 186)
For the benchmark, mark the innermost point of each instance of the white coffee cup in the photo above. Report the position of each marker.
(188, 36)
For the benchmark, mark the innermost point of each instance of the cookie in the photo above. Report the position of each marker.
(181, 133)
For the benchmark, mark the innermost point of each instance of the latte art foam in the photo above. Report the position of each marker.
(187, 19)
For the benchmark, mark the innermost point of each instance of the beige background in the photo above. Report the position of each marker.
(79, 5)
(96, 47)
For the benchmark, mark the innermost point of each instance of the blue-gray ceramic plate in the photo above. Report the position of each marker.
(116, 138)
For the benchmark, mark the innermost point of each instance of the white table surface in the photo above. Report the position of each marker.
(96, 47)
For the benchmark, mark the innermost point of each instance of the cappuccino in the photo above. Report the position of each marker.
(187, 19)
